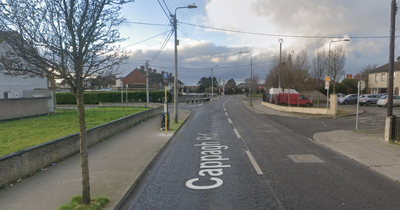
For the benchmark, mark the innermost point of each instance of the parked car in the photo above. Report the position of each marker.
(383, 101)
(295, 98)
(369, 99)
(349, 99)
(339, 96)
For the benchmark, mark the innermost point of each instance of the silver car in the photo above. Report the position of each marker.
(383, 101)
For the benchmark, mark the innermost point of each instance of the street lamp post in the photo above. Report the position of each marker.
(251, 76)
(329, 52)
(176, 61)
(280, 62)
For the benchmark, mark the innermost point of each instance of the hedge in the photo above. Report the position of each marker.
(113, 96)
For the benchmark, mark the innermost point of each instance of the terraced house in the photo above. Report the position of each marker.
(378, 79)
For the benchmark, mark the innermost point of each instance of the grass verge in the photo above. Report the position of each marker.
(24, 133)
(76, 204)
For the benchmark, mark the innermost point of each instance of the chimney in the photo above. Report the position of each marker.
(398, 59)
(162, 72)
(155, 70)
(150, 70)
(349, 76)
(142, 68)
(170, 75)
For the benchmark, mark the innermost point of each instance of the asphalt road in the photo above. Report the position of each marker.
(228, 157)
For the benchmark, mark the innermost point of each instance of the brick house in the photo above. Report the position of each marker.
(378, 79)
(138, 77)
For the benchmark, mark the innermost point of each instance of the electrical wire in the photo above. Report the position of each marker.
(273, 35)
(145, 40)
(286, 35)
(162, 47)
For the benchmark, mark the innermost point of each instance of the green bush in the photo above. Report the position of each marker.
(114, 96)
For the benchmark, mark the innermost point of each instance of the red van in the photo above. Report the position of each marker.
(295, 99)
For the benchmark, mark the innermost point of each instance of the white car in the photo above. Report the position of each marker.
(383, 101)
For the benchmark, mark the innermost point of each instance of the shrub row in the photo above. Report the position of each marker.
(114, 96)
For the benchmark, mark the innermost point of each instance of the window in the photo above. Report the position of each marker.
(383, 76)
(7, 95)
(376, 78)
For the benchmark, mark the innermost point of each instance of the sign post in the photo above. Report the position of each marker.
(165, 76)
(327, 94)
(360, 86)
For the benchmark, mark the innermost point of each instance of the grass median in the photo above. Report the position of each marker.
(24, 133)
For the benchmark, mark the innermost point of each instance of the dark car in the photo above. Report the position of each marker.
(369, 99)
(349, 99)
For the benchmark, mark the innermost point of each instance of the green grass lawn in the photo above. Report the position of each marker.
(20, 134)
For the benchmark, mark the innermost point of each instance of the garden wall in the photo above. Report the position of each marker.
(26, 162)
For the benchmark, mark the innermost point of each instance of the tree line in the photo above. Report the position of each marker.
(297, 71)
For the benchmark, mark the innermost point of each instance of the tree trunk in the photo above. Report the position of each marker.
(83, 147)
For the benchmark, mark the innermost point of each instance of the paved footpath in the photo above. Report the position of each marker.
(115, 165)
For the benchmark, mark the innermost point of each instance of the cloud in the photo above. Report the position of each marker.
(200, 49)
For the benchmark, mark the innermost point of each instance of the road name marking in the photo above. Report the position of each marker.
(211, 163)
(255, 164)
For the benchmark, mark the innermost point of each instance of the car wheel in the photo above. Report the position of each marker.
(386, 105)
(346, 102)
(283, 104)
(308, 105)
(368, 103)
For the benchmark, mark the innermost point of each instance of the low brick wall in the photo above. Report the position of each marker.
(26, 162)
(307, 110)
(23, 107)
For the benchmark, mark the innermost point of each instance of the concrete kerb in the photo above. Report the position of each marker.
(151, 163)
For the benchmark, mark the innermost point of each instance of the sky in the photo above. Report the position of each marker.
(212, 35)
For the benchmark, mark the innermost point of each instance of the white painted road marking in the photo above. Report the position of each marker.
(230, 121)
(237, 133)
(253, 161)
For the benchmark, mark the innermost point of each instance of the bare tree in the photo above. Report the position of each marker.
(68, 39)
(272, 77)
(364, 73)
(319, 67)
(300, 70)
(337, 60)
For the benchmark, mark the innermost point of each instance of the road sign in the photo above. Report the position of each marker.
(327, 78)
(165, 75)
(259, 87)
(165, 81)
(361, 85)
(326, 85)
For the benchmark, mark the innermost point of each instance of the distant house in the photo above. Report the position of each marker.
(378, 79)
(137, 79)
(15, 86)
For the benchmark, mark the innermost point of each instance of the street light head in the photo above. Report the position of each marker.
(280, 40)
(192, 6)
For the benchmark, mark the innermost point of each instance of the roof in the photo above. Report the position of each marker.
(385, 68)
(157, 77)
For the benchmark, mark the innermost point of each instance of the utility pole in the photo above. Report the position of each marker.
(147, 81)
(212, 83)
(391, 57)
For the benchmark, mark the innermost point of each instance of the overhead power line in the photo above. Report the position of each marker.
(287, 35)
(273, 35)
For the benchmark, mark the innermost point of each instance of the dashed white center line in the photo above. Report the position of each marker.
(253, 161)
(230, 121)
(237, 133)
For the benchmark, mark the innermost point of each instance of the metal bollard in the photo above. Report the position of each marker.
(192, 100)
(187, 101)
(196, 100)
